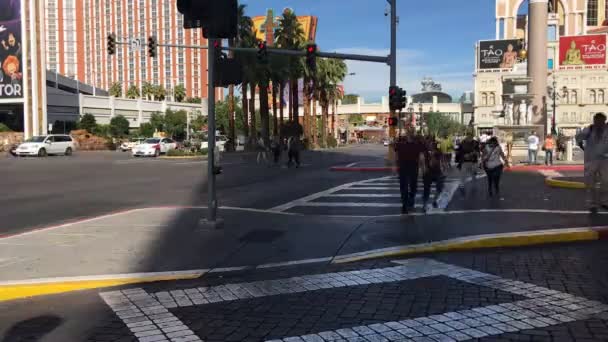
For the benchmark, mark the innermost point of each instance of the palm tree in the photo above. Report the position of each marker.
(147, 90)
(290, 35)
(133, 92)
(329, 73)
(116, 89)
(245, 38)
(278, 73)
(179, 93)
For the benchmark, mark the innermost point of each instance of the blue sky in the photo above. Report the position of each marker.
(436, 38)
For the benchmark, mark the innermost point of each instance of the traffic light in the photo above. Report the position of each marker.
(393, 98)
(262, 52)
(217, 18)
(111, 44)
(393, 121)
(402, 99)
(152, 46)
(311, 57)
(217, 46)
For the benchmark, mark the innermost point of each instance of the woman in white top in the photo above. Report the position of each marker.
(493, 162)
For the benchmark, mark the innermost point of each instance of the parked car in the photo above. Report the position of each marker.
(128, 145)
(220, 142)
(385, 142)
(43, 145)
(153, 147)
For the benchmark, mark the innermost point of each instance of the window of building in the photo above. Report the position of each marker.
(600, 96)
(552, 33)
(592, 97)
(492, 99)
(601, 78)
(564, 117)
(592, 12)
(573, 99)
(484, 83)
(565, 97)
(573, 117)
(484, 99)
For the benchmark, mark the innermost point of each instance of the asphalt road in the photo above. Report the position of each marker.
(39, 192)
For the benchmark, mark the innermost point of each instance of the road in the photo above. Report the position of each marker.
(40, 192)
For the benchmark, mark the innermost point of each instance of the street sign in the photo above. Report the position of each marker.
(135, 44)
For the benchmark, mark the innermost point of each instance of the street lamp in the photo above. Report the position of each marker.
(420, 116)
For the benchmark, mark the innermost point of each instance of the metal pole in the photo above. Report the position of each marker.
(212, 200)
(553, 128)
(393, 56)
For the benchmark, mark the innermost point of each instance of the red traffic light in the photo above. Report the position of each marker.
(216, 44)
(311, 48)
(393, 121)
(261, 45)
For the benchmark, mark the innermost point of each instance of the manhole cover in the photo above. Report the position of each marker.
(262, 235)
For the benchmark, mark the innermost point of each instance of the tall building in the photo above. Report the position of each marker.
(576, 61)
(76, 34)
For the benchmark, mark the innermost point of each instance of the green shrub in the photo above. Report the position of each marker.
(4, 128)
(186, 153)
(332, 142)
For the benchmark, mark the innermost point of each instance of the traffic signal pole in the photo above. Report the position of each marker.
(393, 77)
(211, 198)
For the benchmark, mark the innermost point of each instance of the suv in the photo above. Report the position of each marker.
(42, 145)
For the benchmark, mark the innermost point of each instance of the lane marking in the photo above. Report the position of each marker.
(351, 164)
(542, 307)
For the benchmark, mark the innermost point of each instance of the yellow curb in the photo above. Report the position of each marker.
(26, 290)
(556, 183)
(488, 241)
(183, 157)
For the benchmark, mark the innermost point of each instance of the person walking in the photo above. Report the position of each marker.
(467, 157)
(493, 161)
(533, 142)
(275, 147)
(294, 146)
(409, 150)
(433, 167)
(262, 151)
(594, 141)
(549, 148)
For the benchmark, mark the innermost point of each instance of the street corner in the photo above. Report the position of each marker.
(441, 296)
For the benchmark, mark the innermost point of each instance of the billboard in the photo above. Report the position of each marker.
(265, 25)
(582, 51)
(497, 54)
(11, 57)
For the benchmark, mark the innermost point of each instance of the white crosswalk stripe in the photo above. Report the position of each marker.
(374, 194)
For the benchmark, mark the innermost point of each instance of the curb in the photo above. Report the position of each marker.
(183, 157)
(557, 183)
(41, 287)
(517, 239)
(574, 167)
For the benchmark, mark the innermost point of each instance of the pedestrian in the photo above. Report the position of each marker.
(433, 167)
(275, 147)
(261, 147)
(493, 161)
(549, 148)
(294, 146)
(409, 150)
(594, 141)
(467, 158)
(533, 142)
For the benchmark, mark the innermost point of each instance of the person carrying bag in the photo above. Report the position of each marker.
(493, 164)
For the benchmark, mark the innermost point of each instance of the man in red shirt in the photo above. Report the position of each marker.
(409, 150)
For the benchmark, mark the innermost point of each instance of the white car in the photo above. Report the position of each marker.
(128, 145)
(153, 147)
(220, 142)
(43, 145)
(385, 142)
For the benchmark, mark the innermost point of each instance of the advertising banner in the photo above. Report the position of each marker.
(582, 51)
(498, 54)
(11, 66)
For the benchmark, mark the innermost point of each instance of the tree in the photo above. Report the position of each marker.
(157, 120)
(356, 119)
(116, 89)
(159, 93)
(175, 123)
(328, 74)
(442, 126)
(119, 126)
(350, 99)
(147, 90)
(179, 93)
(290, 35)
(193, 100)
(88, 123)
(146, 129)
(133, 92)
(246, 38)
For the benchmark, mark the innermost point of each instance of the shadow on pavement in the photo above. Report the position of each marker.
(32, 329)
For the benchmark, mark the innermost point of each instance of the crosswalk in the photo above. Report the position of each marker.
(371, 197)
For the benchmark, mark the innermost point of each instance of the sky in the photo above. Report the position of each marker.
(435, 38)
